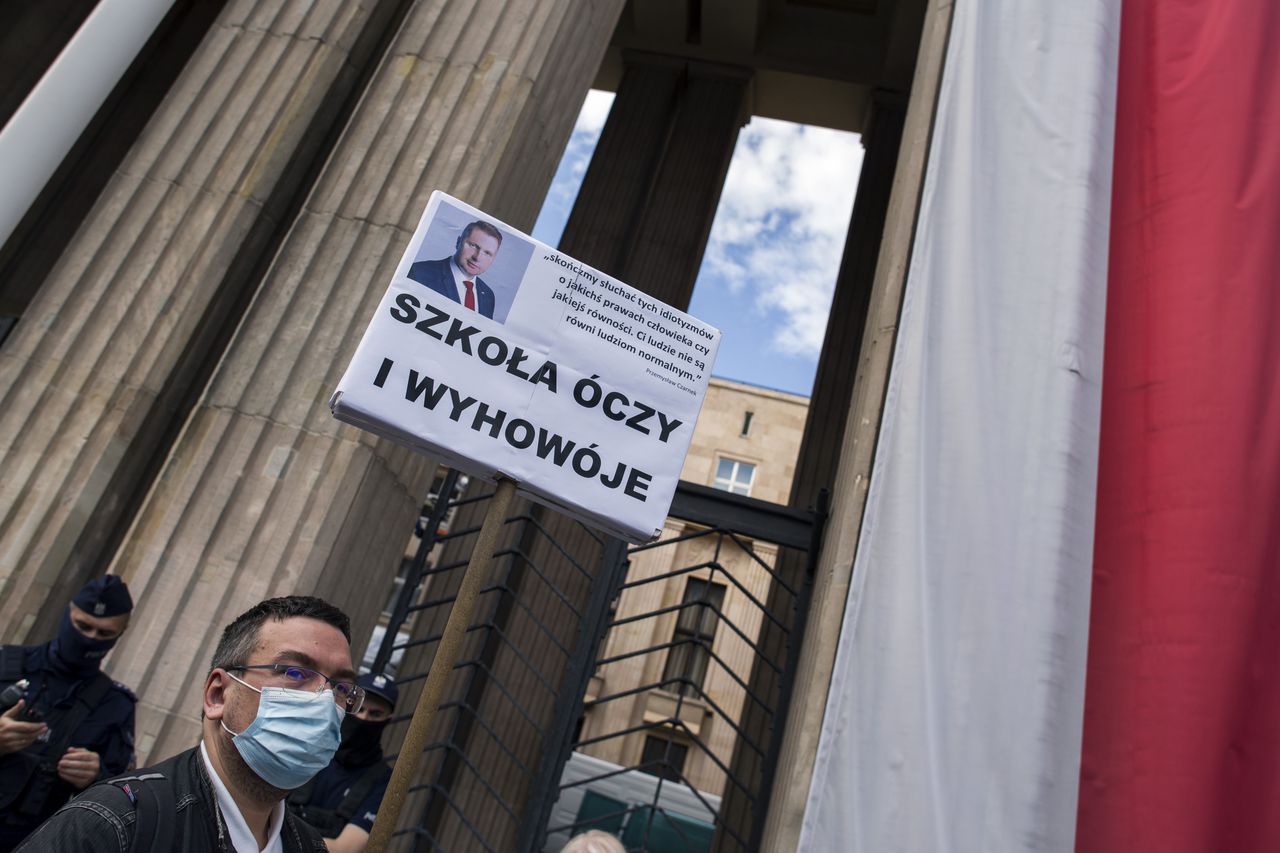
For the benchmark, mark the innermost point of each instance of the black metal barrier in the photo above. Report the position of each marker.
(601, 686)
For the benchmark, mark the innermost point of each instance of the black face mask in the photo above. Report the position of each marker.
(361, 741)
(77, 652)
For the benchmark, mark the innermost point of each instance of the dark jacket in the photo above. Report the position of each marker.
(341, 794)
(30, 790)
(438, 276)
(102, 819)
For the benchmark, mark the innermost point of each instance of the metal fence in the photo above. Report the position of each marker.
(630, 690)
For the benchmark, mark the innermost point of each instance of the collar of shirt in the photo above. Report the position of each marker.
(459, 277)
(241, 836)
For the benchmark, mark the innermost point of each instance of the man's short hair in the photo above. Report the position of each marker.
(240, 637)
(482, 226)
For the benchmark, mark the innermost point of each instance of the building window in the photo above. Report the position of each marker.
(663, 757)
(691, 643)
(734, 476)
(746, 424)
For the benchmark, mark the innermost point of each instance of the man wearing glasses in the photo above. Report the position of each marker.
(458, 277)
(280, 683)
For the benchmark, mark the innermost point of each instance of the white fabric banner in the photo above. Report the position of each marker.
(954, 717)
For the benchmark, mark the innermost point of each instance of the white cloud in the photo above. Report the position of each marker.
(781, 226)
(595, 109)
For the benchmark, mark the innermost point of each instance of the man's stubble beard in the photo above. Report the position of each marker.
(242, 776)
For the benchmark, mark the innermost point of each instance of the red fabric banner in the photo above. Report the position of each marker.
(1181, 746)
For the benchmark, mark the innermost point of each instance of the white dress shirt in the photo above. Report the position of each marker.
(458, 278)
(237, 828)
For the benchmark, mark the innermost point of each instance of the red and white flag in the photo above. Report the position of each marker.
(1063, 630)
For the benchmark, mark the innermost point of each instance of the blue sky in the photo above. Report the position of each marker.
(775, 245)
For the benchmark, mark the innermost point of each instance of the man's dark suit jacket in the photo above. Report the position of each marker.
(437, 276)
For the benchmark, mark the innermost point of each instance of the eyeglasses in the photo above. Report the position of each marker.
(345, 694)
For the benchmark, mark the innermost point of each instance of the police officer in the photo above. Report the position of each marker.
(72, 725)
(343, 799)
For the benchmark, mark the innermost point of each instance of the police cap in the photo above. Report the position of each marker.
(104, 596)
(380, 686)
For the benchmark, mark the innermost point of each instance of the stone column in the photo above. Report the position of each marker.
(94, 380)
(865, 403)
(650, 194)
(837, 364)
(615, 188)
(264, 493)
(825, 425)
(671, 232)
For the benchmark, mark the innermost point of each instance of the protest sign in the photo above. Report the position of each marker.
(506, 358)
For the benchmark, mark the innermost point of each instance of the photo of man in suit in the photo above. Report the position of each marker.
(458, 277)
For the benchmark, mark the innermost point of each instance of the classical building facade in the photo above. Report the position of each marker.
(215, 205)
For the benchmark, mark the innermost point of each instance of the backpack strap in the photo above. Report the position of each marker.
(154, 809)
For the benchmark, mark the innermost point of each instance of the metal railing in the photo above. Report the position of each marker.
(627, 689)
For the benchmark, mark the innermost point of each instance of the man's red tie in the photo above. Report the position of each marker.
(470, 299)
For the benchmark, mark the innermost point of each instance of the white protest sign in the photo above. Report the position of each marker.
(502, 356)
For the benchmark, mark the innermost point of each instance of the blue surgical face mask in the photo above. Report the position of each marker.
(293, 737)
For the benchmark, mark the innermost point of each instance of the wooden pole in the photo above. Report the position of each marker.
(447, 652)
